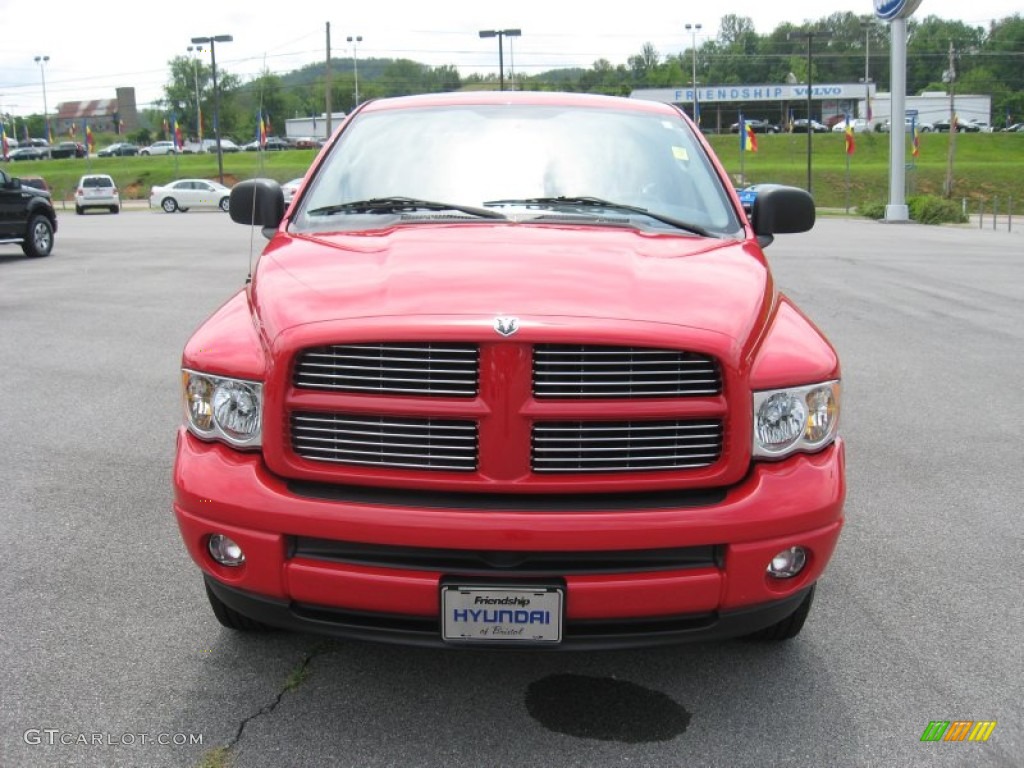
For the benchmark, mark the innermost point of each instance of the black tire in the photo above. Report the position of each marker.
(144, 153)
(169, 204)
(115, 209)
(789, 627)
(232, 619)
(79, 210)
(38, 238)
(225, 204)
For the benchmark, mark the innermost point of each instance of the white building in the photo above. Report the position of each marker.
(931, 106)
(314, 127)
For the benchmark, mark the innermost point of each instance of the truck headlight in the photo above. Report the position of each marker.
(795, 419)
(220, 408)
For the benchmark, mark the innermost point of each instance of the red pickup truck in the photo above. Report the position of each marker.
(512, 371)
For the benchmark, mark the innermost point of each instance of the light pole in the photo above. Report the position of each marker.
(41, 60)
(810, 35)
(355, 62)
(501, 34)
(694, 28)
(867, 74)
(213, 40)
(199, 110)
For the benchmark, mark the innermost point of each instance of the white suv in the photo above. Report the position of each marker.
(160, 148)
(97, 190)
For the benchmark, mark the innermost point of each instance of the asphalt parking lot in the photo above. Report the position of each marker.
(110, 656)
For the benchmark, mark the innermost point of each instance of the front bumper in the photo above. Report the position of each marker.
(638, 569)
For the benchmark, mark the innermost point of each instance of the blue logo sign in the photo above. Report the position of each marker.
(890, 10)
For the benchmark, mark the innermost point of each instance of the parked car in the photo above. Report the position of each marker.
(160, 148)
(306, 142)
(97, 190)
(184, 194)
(758, 126)
(506, 376)
(1014, 128)
(800, 126)
(27, 217)
(858, 124)
(922, 126)
(226, 145)
(290, 189)
(272, 144)
(28, 152)
(68, 149)
(962, 126)
(120, 149)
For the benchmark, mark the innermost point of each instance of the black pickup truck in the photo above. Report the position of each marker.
(27, 217)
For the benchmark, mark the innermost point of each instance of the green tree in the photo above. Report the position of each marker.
(928, 45)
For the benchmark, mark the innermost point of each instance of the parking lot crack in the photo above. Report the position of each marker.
(221, 756)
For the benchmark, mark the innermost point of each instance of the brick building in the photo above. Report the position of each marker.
(118, 115)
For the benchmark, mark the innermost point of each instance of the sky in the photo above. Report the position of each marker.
(95, 48)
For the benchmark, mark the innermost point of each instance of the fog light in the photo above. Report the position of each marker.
(225, 551)
(788, 563)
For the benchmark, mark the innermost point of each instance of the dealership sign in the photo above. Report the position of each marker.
(890, 10)
(777, 92)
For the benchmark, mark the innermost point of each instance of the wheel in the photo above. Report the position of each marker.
(144, 152)
(115, 209)
(40, 237)
(230, 618)
(225, 204)
(79, 210)
(169, 204)
(789, 627)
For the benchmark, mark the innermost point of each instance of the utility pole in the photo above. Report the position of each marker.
(810, 34)
(950, 77)
(327, 82)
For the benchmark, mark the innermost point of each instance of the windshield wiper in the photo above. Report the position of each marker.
(597, 202)
(396, 204)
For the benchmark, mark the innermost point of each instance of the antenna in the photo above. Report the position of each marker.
(260, 139)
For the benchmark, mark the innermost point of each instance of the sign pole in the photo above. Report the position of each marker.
(897, 210)
(847, 181)
(896, 12)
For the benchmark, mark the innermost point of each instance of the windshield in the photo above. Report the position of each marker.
(524, 161)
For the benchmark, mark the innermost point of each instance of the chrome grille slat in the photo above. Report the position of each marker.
(391, 442)
(400, 368)
(566, 371)
(404, 436)
(625, 446)
(636, 454)
(584, 427)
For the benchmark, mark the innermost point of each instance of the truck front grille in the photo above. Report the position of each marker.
(625, 446)
(403, 368)
(380, 441)
(579, 371)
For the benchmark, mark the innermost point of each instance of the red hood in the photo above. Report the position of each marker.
(540, 274)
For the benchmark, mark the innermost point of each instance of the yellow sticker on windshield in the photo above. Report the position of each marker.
(679, 153)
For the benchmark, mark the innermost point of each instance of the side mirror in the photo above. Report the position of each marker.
(257, 202)
(780, 210)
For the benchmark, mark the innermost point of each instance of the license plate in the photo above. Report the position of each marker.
(501, 614)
